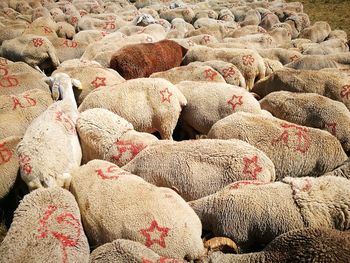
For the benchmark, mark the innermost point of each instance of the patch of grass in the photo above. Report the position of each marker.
(335, 12)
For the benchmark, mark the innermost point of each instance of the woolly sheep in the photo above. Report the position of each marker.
(106, 136)
(160, 219)
(317, 32)
(312, 110)
(186, 13)
(272, 65)
(127, 251)
(141, 60)
(201, 113)
(198, 168)
(295, 150)
(282, 55)
(312, 62)
(50, 147)
(329, 84)
(149, 104)
(250, 64)
(68, 49)
(301, 245)
(46, 228)
(18, 111)
(272, 209)
(65, 30)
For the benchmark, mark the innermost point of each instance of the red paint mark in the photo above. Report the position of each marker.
(235, 101)
(146, 261)
(109, 25)
(112, 169)
(24, 162)
(3, 62)
(228, 72)
(83, 13)
(74, 20)
(248, 60)
(186, 12)
(331, 127)
(29, 102)
(251, 166)
(3, 71)
(67, 122)
(190, 43)
(240, 184)
(206, 39)
(261, 30)
(70, 43)
(47, 30)
(166, 94)
(161, 231)
(345, 92)
(63, 218)
(210, 74)
(8, 82)
(305, 187)
(294, 58)
(128, 147)
(5, 154)
(149, 39)
(303, 138)
(38, 42)
(98, 82)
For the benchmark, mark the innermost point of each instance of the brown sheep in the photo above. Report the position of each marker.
(141, 60)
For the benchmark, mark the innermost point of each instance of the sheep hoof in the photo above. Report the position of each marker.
(222, 244)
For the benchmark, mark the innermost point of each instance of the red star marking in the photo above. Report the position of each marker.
(345, 91)
(210, 74)
(235, 100)
(228, 72)
(38, 42)
(99, 82)
(331, 127)
(240, 184)
(128, 146)
(251, 166)
(248, 60)
(161, 231)
(5, 154)
(294, 58)
(166, 94)
(24, 162)
(206, 39)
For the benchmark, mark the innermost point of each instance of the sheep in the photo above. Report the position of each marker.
(186, 13)
(250, 64)
(317, 33)
(149, 104)
(126, 251)
(50, 147)
(65, 30)
(161, 210)
(46, 228)
(91, 75)
(272, 66)
(200, 113)
(284, 56)
(312, 110)
(141, 60)
(272, 209)
(106, 136)
(295, 150)
(190, 72)
(328, 84)
(19, 77)
(68, 49)
(18, 111)
(198, 168)
(32, 49)
(301, 245)
(8, 164)
(312, 62)
(218, 31)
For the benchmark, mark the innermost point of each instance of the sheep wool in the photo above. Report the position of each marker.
(295, 150)
(149, 104)
(159, 218)
(198, 168)
(46, 228)
(272, 209)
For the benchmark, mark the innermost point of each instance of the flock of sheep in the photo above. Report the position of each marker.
(172, 131)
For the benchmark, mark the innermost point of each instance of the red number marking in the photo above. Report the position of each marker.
(70, 43)
(67, 122)
(109, 25)
(29, 102)
(8, 81)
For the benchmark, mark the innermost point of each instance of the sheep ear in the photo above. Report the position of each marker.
(55, 93)
(76, 83)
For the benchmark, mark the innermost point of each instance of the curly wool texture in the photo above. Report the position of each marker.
(201, 113)
(312, 110)
(312, 62)
(46, 228)
(295, 150)
(127, 251)
(18, 77)
(8, 164)
(141, 60)
(256, 214)
(158, 218)
(318, 32)
(149, 104)
(302, 245)
(329, 84)
(18, 111)
(198, 168)
(107, 136)
(249, 62)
